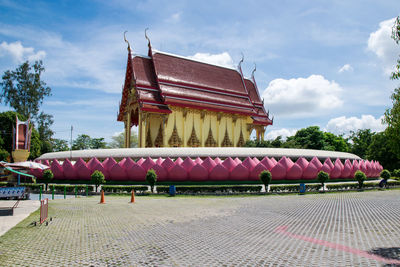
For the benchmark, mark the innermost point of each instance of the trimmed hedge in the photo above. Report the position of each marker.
(223, 189)
(293, 188)
(71, 188)
(120, 189)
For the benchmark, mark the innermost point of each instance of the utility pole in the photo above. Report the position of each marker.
(70, 150)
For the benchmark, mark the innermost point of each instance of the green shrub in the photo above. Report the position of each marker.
(385, 175)
(360, 177)
(322, 177)
(97, 178)
(265, 177)
(151, 178)
(120, 189)
(47, 177)
(396, 173)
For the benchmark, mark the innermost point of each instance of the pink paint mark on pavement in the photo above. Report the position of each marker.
(283, 230)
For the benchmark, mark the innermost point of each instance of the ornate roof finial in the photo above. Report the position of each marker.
(252, 73)
(147, 37)
(129, 46)
(241, 61)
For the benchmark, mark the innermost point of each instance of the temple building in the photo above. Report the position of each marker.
(180, 102)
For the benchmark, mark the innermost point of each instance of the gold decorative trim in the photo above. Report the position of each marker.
(148, 139)
(193, 140)
(210, 141)
(175, 140)
(159, 142)
(226, 142)
(241, 141)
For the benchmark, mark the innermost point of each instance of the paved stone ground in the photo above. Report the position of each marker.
(343, 229)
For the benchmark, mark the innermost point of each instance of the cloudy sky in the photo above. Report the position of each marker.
(324, 63)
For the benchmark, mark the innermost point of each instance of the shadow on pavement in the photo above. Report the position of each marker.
(388, 253)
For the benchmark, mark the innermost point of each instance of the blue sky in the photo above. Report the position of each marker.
(324, 63)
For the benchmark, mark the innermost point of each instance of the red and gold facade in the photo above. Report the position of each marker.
(179, 102)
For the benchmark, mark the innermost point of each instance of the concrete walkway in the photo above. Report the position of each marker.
(24, 209)
(345, 229)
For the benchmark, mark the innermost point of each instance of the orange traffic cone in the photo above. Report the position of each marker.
(133, 197)
(102, 201)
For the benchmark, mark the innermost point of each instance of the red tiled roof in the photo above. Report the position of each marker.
(164, 79)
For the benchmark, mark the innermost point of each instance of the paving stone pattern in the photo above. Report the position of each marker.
(220, 231)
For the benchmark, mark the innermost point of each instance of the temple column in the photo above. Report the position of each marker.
(128, 130)
(164, 120)
(262, 133)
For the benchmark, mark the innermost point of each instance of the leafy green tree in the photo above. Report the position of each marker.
(118, 141)
(385, 175)
(335, 143)
(96, 143)
(44, 122)
(47, 176)
(392, 115)
(265, 177)
(360, 177)
(380, 149)
(151, 178)
(309, 138)
(24, 90)
(82, 142)
(59, 145)
(361, 140)
(322, 177)
(97, 178)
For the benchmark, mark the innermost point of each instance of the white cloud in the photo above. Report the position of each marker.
(346, 67)
(381, 43)
(20, 53)
(271, 135)
(304, 97)
(343, 125)
(223, 59)
(176, 17)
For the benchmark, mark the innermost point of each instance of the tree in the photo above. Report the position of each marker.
(82, 142)
(361, 140)
(47, 176)
(392, 115)
(97, 178)
(385, 175)
(309, 138)
(44, 122)
(96, 143)
(380, 149)
(118, 141)
(59, 145)
(322, 177)
(151, 178)
(360, 177)
(265, 177)
(24, 90)
(335, 143)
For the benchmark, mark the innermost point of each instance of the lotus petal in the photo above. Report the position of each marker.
(198, 173)
(240, 173)
(219, 173)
